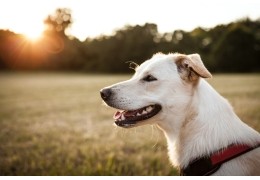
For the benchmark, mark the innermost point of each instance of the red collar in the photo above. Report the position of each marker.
(207, 165)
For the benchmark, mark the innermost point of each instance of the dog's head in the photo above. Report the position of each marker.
(161, 85)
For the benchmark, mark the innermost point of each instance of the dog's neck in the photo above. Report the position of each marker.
(209, 125)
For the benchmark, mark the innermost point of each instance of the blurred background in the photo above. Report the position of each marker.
(56, 55)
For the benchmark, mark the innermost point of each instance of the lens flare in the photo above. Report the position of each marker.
(33, 35)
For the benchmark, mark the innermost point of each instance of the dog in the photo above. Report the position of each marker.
(204, 135)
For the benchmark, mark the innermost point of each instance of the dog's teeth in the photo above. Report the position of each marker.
(122, 117)
(149, 109)
(144, 112)
(138, 114)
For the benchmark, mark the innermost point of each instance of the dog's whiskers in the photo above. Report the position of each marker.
(157, 137)
(132, 65)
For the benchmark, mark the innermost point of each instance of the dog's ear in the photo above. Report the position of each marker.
(191, 67)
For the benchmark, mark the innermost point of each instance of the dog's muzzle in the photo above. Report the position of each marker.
(126, 117)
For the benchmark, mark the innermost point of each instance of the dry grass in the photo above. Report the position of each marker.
(55, 124)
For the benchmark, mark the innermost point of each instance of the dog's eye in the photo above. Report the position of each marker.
(149, 78)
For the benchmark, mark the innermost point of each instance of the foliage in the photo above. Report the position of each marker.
(234, 47)
(242, 49)
(59, 21)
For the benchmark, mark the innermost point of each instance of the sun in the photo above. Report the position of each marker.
(33, 36)
(34, 33)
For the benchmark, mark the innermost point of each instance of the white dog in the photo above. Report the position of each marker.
(204, 135)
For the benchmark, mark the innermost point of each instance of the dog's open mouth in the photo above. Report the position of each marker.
(124, 118)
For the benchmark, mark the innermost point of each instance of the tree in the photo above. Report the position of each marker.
(59, 21)
(237, 50)
(234, 47)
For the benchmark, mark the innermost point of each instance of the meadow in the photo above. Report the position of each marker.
(56, 124)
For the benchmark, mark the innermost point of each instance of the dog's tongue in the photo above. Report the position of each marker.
(118, 114)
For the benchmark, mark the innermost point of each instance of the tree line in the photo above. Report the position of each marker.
(234, 47)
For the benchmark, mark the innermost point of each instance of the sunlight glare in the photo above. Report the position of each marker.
(33, 34)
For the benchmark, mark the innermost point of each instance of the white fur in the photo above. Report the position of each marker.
(196, 120)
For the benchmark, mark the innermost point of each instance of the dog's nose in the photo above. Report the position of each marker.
(105, 93)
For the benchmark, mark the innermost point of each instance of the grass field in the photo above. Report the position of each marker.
(55, 124)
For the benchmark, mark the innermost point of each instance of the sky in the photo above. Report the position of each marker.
(92, 18)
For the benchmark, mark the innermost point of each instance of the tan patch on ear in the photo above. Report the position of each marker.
(197, 65)
(185, 72)
(191, 67)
